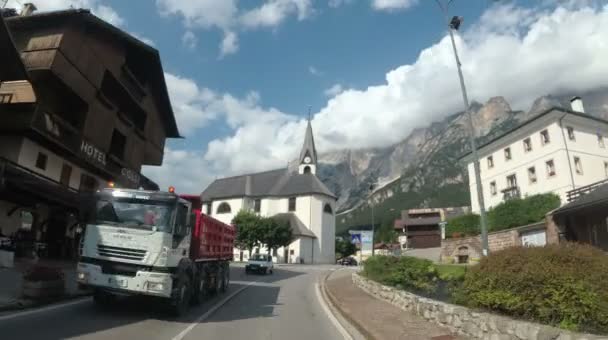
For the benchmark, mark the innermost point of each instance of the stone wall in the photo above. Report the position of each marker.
(464, 321)
(452, 248)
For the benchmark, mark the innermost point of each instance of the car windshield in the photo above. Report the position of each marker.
(135, 213)
(259, 257)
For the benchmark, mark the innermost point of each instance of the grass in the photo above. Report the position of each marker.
(451, 270)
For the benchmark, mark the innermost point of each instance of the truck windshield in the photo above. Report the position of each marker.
(135, 213)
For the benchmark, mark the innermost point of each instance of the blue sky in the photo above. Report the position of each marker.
(242, 73)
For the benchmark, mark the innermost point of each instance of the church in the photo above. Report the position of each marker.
(296, 195)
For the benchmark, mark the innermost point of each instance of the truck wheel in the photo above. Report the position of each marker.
(225, 281)
(180, 298)
(199, 290)
(103, 298)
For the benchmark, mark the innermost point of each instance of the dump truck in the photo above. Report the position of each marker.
(153, 244)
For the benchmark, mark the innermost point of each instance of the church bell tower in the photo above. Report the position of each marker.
(308, 155)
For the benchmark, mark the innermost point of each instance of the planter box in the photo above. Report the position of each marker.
(43, 289)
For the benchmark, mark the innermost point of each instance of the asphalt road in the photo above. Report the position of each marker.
(283, 305)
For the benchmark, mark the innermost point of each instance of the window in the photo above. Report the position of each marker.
(600, 141)
(527, 145)
(544, 137)
(512, 181)
(578, 165)
(41, 161)
(606, 169)
(307, 169)
(490, 162)
(493, 190)
(532, 175)
(570, 133)
(117, 145)
(181, 220)
(550, 168)
(292, 204)
(507, 154)
(327, 209)
(87, 183)
(257, 205)
(223, 208)
(66, 173)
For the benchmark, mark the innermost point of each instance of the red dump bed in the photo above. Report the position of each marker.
(211, 239)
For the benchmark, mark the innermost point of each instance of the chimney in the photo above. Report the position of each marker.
(28, 9)
(576, 103)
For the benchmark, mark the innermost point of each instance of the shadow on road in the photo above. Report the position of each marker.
(86, 319)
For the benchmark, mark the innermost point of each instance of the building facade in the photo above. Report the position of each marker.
(556, 151)
(293, 194)
(422, 228)
(82, 104)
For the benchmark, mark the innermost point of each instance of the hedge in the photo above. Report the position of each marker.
(562, 285)
(508, 214)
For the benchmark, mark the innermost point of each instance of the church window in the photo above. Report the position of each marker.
(307, 169)
(257, 205)
(327, 209)
(224, 208)
(292, 204)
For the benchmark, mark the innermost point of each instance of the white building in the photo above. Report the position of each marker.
(297, 195)
(556, 151)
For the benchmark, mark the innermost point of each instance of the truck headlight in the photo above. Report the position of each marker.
(156, 286)
(83, 277)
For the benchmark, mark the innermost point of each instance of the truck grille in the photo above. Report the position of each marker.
(121, 253)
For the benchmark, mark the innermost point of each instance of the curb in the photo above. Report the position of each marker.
(356, 330)
(23, 304)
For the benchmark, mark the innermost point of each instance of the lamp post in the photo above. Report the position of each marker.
(371, 196)
(454, 24)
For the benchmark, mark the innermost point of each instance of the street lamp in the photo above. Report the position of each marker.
(371, 196)
(454, 24)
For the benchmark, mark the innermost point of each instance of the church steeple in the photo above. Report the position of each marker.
(308, 154)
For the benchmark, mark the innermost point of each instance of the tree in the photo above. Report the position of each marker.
(386, 233)
(275, 233)
(344, 248)
(248, 230)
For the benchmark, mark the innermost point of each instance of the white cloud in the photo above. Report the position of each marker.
(392, 5)
(518, 62)
(314, 71)
(228, 18)
(230, 44)
(334, 90)
(189, 40)
(178, 170)
(97, 7)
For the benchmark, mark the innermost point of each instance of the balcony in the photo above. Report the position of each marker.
(578, 192)
(511, 193)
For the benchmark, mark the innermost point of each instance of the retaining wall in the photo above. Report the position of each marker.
(465, 321)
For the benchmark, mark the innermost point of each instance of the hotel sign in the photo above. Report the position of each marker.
(93, 153)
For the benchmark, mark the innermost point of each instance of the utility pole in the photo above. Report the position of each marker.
(454, 24)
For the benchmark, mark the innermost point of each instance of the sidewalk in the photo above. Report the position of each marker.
(377, 319)
(11, 280)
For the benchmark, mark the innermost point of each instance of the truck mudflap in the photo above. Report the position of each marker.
(142, 283)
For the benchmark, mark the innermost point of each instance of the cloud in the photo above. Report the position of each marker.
(229, 19)
(230, 44)
(519, 61)
(392, 5)
(334, 90)
(314, 71)
(189, 40)
(178, 171)
(97, 7)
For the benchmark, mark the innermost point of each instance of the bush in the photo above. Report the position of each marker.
(464, 225)
(519, 212)
(409, 273)
(563, 285)
(41, 273)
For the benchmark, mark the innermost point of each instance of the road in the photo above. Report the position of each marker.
(283, 305)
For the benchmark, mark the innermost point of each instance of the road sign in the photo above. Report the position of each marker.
(367, 240)
(355, 238)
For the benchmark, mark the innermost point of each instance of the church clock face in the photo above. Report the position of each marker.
(307, 160)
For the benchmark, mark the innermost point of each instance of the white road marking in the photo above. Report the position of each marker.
(331, 316)
(43, 309)
(211, 310)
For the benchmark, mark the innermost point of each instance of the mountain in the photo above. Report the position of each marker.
(423, 169)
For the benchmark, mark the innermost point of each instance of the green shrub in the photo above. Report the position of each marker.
(466, 224)
(519, 212)
(409, 273)
(563, 285)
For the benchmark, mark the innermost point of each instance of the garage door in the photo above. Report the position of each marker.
(424, 241)
(535, 238)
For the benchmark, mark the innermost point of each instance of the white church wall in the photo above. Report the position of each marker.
(324, 227)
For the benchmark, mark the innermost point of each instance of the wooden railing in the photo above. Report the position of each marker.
(578, 192)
